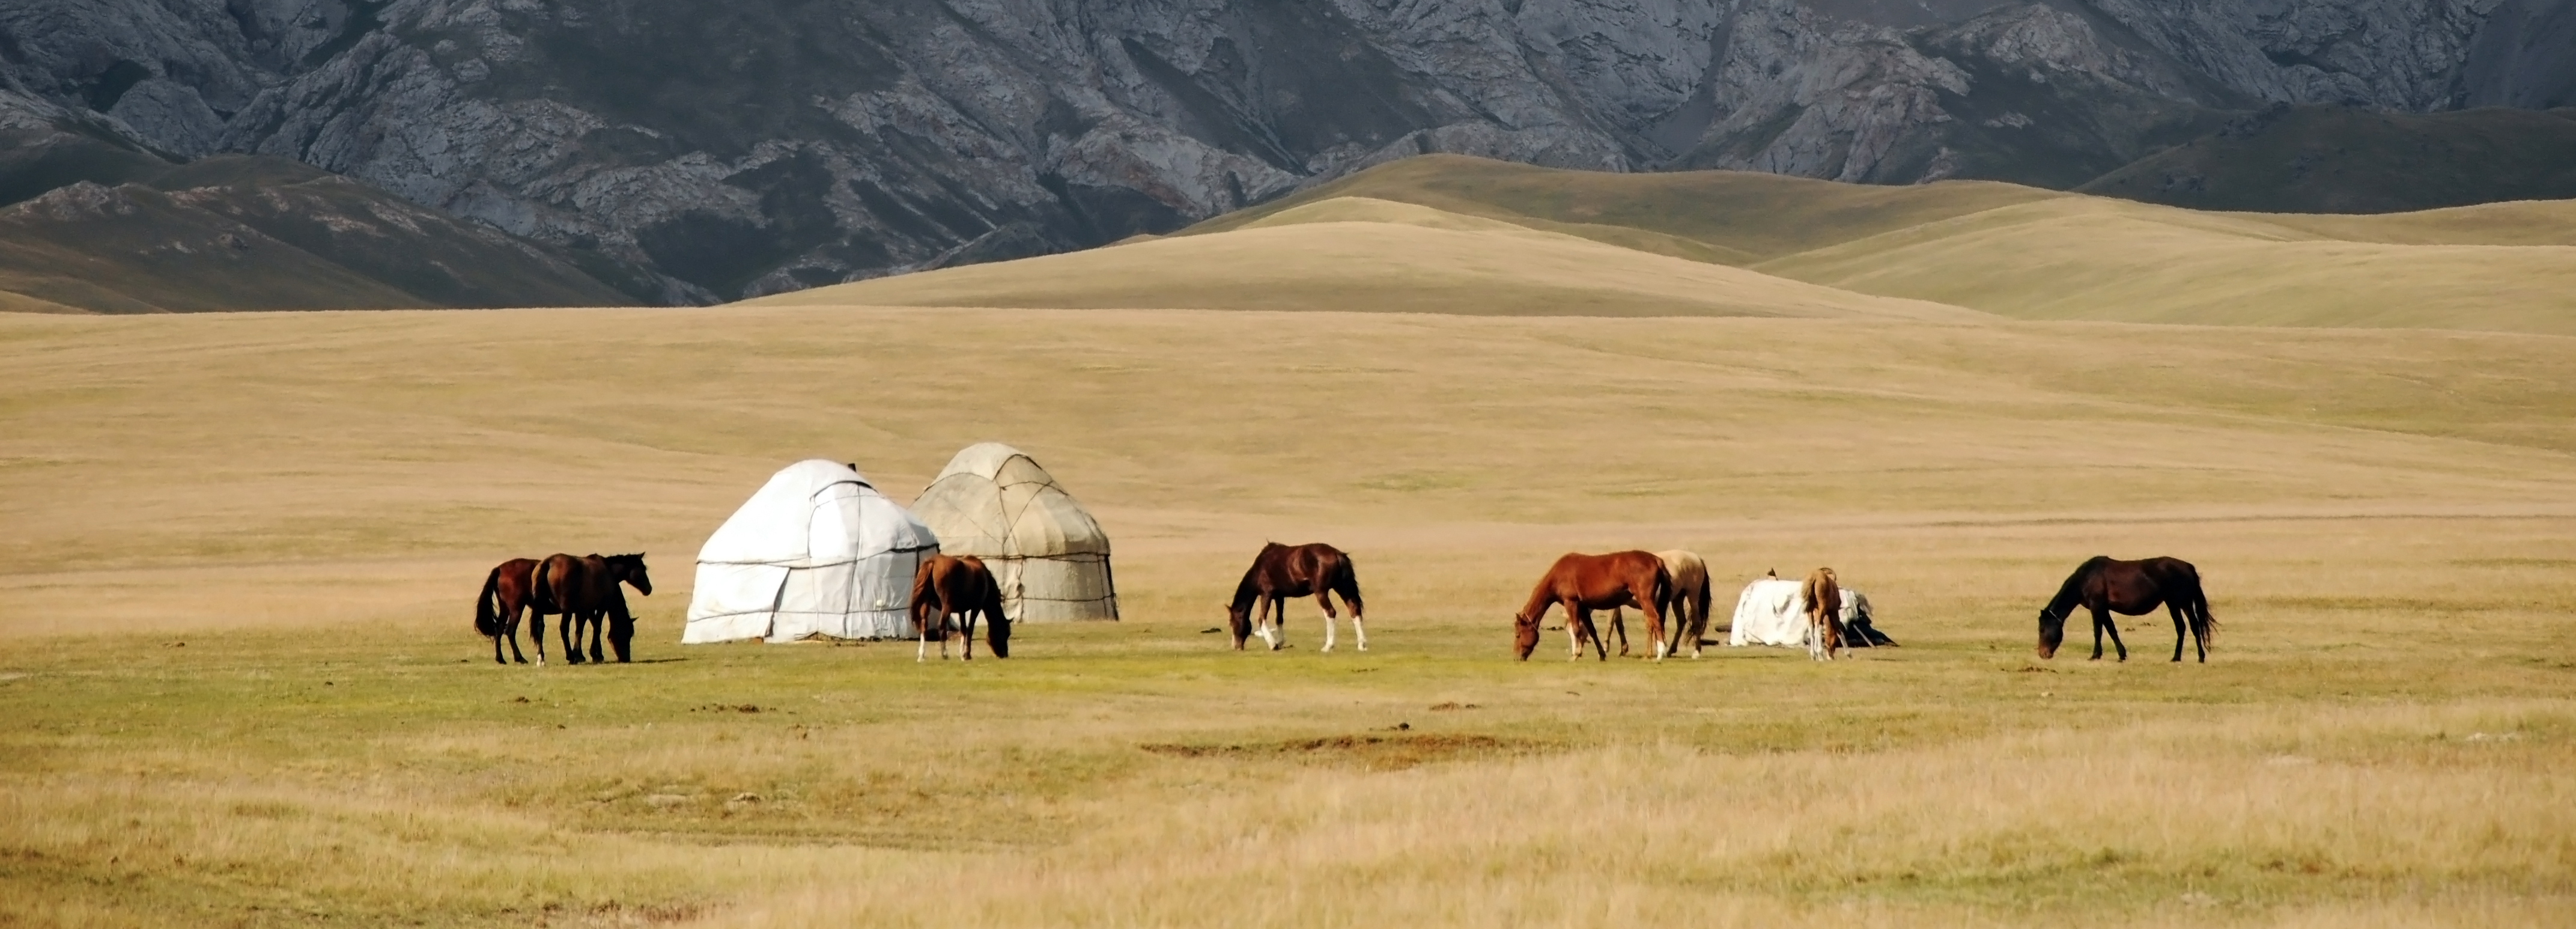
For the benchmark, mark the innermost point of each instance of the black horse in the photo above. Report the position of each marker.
(2106, 585)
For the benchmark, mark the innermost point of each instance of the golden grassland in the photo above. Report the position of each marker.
(1461, 235)
(240, 687)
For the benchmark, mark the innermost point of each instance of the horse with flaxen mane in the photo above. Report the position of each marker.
(1584, 583)
(1823, 593)
(506, 595)
(584, 589)
(943, 587)
(2106, 585)
(1282, 572)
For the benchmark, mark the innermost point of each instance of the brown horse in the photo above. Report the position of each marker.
(584, 590)
(962, 587)
(2106, 585)
(1584, 583)
(1284, 571)
(1824, 596)
(1690, 604)
(506, 595)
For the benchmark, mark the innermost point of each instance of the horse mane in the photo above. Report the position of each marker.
(2073, 590)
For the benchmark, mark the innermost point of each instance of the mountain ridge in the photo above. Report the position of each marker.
(765, 146)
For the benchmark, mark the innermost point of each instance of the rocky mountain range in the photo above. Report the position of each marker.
(694, 152)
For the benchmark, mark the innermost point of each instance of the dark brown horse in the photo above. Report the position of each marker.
(1584, 583)
(2106, 585)
(1284, 571)
(584, 590)
(943, 587)
(506, 595)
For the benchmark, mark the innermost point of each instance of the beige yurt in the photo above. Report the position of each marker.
(1047, 553)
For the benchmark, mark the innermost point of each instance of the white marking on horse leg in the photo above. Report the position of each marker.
(1359, 631)
(1328, 628)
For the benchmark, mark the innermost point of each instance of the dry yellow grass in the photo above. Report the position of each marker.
(240, 686)
(2099, 259)
(1376, 255)
(1995, 248)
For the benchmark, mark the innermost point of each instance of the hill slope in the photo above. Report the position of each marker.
(2018, 251)
(1352, 253)
(2096, 259)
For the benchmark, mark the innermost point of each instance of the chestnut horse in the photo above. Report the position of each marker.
(505, 596)
(2106, 585)
(1284, 571)
(1690, 603)
(962, 587)
(584, 590)
(1584, 583)
(1823, 594)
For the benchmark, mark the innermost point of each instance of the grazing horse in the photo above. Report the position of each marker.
(1824, 596)
(2106, 585)
(506, 595)
(1690, 603)
(962, 587)
(584, 590)
(1584, 583)
(1284, 571)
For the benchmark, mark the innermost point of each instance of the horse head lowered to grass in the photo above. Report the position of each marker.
(585, 590)
(2104, 585)
(1584, 583)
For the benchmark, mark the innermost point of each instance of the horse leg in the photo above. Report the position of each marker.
(1654, 630)
(1619, 624)
(1274, 621)
(1574, 623)
(2175, 608)
(598, 624)
(537, 633)
(921, 649)
(1358, 631)
(510, 628)
(2101, 618)
(966, 631)
(2111, 621)
(565, 631)
(1324, 598)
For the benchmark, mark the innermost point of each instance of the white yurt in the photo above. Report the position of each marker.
(1046, 552)
(1773, 611)
(816, 552)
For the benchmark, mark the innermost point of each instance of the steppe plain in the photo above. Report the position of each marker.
(238, 684)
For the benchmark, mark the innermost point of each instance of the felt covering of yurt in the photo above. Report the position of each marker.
(1045, 551)
(817, 551)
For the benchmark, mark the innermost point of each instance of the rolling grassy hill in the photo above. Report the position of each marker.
(1454, 234)
(1354, 253)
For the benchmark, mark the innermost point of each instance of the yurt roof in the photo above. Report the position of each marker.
(994, 501)
(778, 524)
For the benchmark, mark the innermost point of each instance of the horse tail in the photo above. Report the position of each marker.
(1699, 606)
(487, 618)
(1348, 584)
(2202, 624)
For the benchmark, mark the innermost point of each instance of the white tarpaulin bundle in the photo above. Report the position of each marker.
(817, 551)
(1047, 554)
(1774, 612)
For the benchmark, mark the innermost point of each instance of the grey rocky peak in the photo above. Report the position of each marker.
(758, 146)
